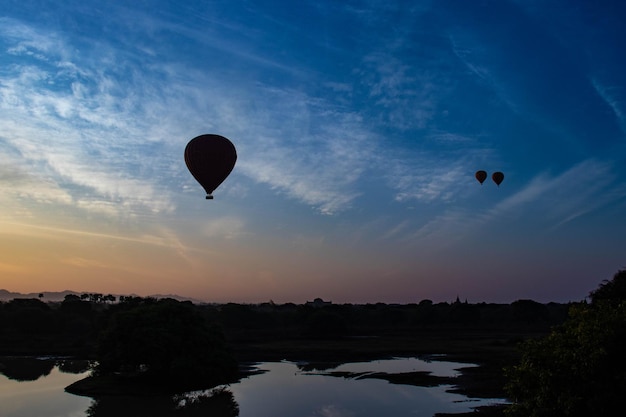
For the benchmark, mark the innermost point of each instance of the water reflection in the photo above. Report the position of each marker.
(215, 403)
(393, 366)
(25, 369)
(31, 369)
(283, 389)
(37, 389)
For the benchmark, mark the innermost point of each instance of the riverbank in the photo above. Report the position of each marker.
(492, 350)
(483, 334)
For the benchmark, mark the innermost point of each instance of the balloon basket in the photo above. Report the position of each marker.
(209, 197)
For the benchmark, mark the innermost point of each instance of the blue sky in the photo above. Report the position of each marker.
(358, 126)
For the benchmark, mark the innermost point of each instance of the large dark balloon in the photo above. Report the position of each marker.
(497, 177)
(210, 159)
(481, 176)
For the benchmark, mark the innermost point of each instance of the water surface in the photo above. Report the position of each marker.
(43, 397)
(281, 389)
(287, 391)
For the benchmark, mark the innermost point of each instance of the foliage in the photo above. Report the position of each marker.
(165, 342)
(613, 291)
(25, 369)
(579, 369)
(322, 324)
(28, 316)
(71, 327)
(217, 402)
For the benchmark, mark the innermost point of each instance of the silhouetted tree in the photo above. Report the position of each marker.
(77, 317)
(29, 316)
(95, 298)
(613, 291)
(73, 305)
(165, 342)
(580, 368)
(463, 313)
(73, 366)
(529, 311)
(326, 324)
(26, 369)
(218, 402)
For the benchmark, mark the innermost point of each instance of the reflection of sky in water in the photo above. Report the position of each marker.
(399, 365)
(283, 391)
(287, 392)
(43, 397)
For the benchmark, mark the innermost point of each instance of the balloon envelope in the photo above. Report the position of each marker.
(481, 176)
(497, 177)
(210, 159)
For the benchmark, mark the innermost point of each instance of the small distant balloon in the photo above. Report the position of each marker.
(210, 159)
(481, 176)
(497, 177)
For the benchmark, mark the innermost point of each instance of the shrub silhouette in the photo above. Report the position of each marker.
(166, 343)
(323, 324)
(579, 369)
(26, 369)
(613, 291)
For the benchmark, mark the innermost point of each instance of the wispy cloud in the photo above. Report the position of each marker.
(72, 123)
(16, 181)
(83, 122)
(102, 111)
(473, 55)
(405, 82)
(101, 115)
(547, 202)
(316, 155)
(224, 228)
(565, 197)
(80, 262)
(615, 98)
(429, 176)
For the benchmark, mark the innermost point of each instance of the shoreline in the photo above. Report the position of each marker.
(465, 383)
(490, 349)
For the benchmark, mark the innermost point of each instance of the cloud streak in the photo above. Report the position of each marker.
(358, 131)
(104, 157)
(615, 98)
(55, 101)
(579, 190)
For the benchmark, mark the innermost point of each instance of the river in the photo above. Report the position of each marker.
(283, 389)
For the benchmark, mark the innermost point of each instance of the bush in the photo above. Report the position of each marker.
(165, 342)
(580, 368)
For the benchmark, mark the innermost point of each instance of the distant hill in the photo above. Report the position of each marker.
(47, 296)
(57, 296)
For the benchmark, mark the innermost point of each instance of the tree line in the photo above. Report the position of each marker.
(579, 369)
(32, 326)
(574, 367)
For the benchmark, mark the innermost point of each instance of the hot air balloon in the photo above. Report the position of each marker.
(497, 177)
(481, 176)
(210, 159)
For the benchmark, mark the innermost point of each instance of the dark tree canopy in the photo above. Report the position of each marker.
(580, 368)
(165, 342)
(613, 291)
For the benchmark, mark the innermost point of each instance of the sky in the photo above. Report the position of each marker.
(358, 126)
